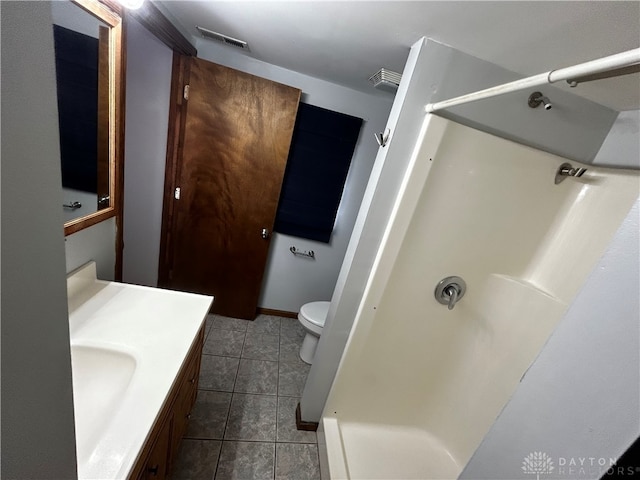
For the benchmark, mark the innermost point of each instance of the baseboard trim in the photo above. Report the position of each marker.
(277, 313)
(306, 426)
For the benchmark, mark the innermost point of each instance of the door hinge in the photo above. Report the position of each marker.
(185, 92)
(176, 193)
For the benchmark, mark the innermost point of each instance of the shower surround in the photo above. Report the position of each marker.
(419, 385)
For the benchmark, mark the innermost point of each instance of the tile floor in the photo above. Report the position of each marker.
(243, 423)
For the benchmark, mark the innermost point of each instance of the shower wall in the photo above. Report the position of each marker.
(575, 128)
(579, 400)
(485, 209)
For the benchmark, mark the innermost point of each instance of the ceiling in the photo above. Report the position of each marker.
(346, 42)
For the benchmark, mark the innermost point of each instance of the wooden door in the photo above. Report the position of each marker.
(229, 171)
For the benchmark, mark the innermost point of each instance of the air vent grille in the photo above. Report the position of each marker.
(219, 37)
(386, 80)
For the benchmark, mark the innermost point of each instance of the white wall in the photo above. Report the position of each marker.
(436, 72)
(580, 398)
(621, 148)
(38, 439)
(147, 115)
(89, 202)
(574, 128)
(70, 16)
(97, 243)
(292, 281)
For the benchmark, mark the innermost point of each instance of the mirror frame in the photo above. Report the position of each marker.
(112, 15)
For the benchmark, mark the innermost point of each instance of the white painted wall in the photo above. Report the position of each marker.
(292, 281)
(621, 148)
(580, 398)
(435, 72)
(574, 128)
(98, 243)
(69, 15)
(147, 115)
(146, 123)
(88, 200)
(38, 439)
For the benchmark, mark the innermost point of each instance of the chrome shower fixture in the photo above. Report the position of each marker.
(537, 98)
(566, 170)
(450, 290)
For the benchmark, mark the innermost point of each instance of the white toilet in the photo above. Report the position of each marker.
(312, 316)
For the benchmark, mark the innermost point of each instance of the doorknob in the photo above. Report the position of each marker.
(265, 233)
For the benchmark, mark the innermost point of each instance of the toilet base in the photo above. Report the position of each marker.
(308, 348)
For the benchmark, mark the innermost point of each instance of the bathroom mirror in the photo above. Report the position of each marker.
(89, 77)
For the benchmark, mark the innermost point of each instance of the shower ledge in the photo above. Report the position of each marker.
(527, 284)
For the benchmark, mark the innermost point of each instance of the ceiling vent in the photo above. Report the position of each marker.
(227, 40)
(386, 80)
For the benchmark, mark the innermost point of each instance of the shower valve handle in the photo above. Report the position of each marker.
(452, 291)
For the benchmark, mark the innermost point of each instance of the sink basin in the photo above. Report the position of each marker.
(100, 380)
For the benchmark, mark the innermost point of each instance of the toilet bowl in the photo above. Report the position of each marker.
(312, 316)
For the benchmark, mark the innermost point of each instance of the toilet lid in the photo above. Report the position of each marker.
(315, 312)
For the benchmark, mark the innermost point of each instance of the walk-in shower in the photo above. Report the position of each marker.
(419, 384)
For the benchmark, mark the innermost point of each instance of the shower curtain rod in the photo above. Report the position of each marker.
(604, 64)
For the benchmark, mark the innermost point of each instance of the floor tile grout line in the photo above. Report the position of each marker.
(215, 473)
(277, 415)
(275, 459)
(275, 448)
(186, 435)
(244, 339)
(270, 395)
(278, 396)
(278, 374)
(226, 422)
(248, 441)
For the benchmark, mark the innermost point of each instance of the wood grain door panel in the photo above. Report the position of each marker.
(236, 142)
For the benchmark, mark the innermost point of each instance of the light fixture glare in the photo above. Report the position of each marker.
(131, 4)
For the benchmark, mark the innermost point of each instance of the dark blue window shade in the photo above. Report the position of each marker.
(321, 150)
(77, 81)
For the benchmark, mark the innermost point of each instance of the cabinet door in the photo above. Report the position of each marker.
(182, 413)
(184, 404)
(157, 466)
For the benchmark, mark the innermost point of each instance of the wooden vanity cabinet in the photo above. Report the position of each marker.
(156, 465)
(184, 403)
(159, 451)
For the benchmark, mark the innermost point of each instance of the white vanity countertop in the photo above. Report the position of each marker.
(127, 345)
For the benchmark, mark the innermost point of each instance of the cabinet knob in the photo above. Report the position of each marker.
(188, 416)
(193, 380)
(153, 470)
